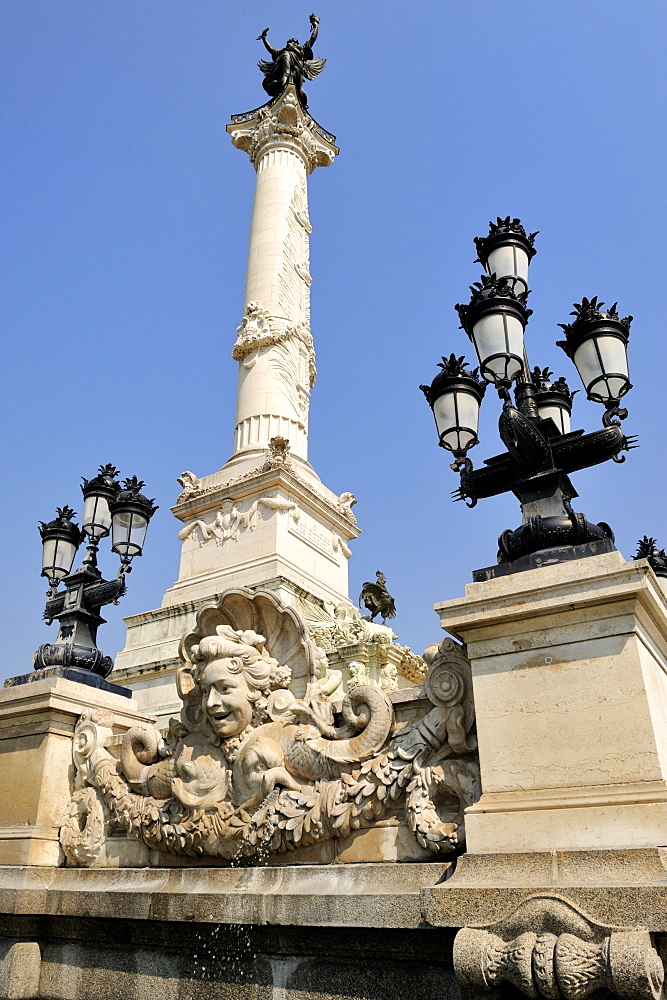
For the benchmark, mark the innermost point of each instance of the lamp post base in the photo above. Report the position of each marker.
(539, 534)
(70, 654)
(78, 674)
(545, 557)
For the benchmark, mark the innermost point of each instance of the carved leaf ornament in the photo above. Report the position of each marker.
(259, 763)
(549, 948)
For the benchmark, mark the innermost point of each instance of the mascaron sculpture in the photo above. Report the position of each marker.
(261, 763)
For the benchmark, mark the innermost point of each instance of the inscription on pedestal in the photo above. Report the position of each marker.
(314, 535)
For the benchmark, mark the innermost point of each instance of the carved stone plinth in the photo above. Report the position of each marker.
(570, 685)
(37, 722)
(273, 527)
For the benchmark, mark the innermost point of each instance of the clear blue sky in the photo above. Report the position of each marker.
(124, 237)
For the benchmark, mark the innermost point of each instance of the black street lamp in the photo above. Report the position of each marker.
(107, 507)
(455, 396)
(535, 425)
(647, 548)
(553, 399)
(495, 320)
(597, 343)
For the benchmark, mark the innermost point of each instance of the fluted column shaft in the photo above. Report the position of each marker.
(275, 346)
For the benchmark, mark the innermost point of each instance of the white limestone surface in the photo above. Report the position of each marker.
(264, 519)
(275, 346)
(37, 721)
(570, 685)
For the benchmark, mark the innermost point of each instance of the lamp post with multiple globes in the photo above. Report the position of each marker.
(108, 508)
(534, 425)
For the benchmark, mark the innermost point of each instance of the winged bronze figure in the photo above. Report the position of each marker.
(291, 64)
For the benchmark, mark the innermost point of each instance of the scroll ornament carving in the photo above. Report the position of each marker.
(549, 948)
(282, 124)
(257, 763)
(230, 521)
(258, 330)
(82, 834)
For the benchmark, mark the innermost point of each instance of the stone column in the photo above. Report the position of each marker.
(275, 346)
(265, 519)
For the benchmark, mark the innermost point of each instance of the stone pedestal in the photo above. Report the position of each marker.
(570, 689)
(37, 721)
(274, 528)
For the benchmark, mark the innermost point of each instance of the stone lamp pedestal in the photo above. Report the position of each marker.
(38, 715)
(563, 890)
(570, 687)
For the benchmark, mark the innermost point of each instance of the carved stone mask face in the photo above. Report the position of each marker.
(225, 699)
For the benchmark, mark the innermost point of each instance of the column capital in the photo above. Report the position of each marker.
(283, 124)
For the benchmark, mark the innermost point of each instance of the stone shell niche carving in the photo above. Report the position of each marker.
(258, 764)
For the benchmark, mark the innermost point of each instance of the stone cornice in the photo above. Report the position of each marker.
(620, 587)
(259, 480)
(283, 124)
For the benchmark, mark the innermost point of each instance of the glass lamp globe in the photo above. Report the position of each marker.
(60, 541)
(130, 514)
(98, 493)
(506, 252)
(455, 396)
(597, 343)
(495, 320)
(553, 399)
